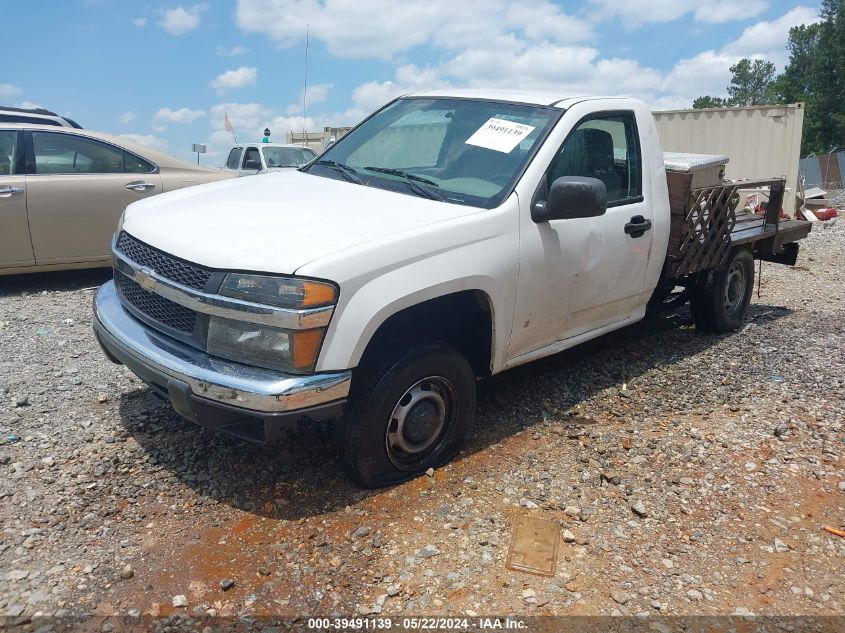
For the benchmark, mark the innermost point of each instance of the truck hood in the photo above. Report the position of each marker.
(276, 222)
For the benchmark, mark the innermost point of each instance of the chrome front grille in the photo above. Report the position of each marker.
(155, 307)
(181, 272)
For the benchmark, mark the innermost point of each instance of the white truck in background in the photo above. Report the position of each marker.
(448, 237)
(250, 159)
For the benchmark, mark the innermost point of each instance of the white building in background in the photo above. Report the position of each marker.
(317, 140)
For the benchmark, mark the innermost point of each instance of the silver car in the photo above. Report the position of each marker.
(62, 191)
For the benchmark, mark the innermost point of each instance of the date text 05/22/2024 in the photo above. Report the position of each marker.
(423, 623)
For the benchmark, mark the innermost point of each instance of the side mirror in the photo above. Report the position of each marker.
(572, 197)
(332, 140)
(252, 164)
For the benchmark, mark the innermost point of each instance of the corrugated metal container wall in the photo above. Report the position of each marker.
(761, 141)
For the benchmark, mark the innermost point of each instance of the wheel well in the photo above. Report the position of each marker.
(462, 319)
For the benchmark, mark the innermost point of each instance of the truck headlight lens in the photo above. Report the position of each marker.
(284, 292)
(263, 345)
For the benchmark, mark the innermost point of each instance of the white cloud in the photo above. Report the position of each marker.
(181, 20)
(560, 70)
(720, 11)
(241, 115)
(508, 61)
(10, 90)
(707, 73)
(348, 29)
(127, 117)
(231, 79)
(148, 140)
(633, 14)
(319, 92)
(29, 105)
(249, 121)
(234, 51)
(182, 115)
(140, 22)
(768, 39)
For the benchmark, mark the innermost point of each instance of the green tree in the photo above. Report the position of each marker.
(829, 96)
(815, 74)
(709, 102)
(798, 78)
(751, 82)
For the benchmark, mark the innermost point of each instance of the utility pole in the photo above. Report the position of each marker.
(305, 88)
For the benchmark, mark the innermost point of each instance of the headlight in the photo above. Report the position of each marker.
(263, 345)
(284, 292)
(120, 223)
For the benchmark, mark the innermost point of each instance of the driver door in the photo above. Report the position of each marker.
(584, 274)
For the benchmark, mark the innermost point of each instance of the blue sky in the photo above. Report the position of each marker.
(164, 72)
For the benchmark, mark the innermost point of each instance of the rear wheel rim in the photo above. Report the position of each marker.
(735, 287)
(420, 421)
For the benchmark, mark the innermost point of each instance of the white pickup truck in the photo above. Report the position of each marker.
(448, 237)
(260, 158)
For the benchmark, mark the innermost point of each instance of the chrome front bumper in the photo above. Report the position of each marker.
(199, 384)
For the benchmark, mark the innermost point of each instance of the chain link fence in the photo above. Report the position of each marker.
(826, 171)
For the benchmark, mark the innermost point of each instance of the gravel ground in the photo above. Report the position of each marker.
(691, 474)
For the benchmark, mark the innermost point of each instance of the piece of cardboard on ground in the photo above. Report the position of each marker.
(534, 546)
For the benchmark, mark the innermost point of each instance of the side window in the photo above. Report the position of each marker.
(607, 148)
(8, 142)
(71, 154)
(136, 165)
(251, 154)
(234, 155)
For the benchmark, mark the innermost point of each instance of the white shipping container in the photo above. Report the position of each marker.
(761, 141)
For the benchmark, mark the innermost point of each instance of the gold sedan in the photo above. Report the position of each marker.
(62, 191)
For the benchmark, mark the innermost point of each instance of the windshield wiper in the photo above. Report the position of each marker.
(350, 173)
(402, 174)
(412, 180)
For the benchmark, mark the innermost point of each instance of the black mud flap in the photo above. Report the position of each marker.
(788, 255)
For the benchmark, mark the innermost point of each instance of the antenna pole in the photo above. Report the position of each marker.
(305, 89)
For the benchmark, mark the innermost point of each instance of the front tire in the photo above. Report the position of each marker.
(720, 299)
(412, 414)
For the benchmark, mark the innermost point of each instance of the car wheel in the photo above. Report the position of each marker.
(720, 299)
(412, 414)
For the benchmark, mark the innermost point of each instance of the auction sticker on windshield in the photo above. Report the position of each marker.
(500, 135)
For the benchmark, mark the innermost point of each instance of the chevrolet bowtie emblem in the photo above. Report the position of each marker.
(144, 278)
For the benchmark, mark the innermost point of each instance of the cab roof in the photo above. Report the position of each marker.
(259, 143)
(515, 96)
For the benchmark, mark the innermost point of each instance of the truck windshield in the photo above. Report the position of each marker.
(456, 150)
(287, 156)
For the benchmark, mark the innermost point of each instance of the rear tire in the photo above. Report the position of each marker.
(720, 299)
(412, 413)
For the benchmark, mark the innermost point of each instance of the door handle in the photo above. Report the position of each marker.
(637, 226)
(10, 191)
(139, 185)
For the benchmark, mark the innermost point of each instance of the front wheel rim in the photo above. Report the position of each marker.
(735, 287)
(420, 421)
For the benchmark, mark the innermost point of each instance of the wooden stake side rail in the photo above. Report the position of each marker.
(704, 224)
